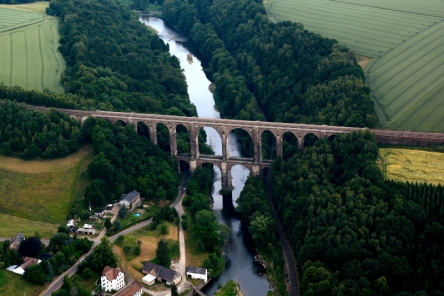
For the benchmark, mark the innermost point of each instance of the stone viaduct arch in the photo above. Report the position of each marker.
(253, 128)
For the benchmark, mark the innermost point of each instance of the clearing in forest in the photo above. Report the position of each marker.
(405, 40)
(412, 165)
(39, 190)
(29, 51)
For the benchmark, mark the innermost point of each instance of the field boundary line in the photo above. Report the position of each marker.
(41, 58)
(389, 9)
(24, 26)
(27, 59)
(12, 58)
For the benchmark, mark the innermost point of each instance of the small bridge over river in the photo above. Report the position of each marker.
(255, 129)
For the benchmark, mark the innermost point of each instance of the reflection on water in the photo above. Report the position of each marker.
(241, 266)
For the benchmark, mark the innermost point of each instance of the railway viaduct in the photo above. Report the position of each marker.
(253, 128)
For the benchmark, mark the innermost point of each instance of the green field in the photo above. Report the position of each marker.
(405, 40)
(38, 194)
(29, 52)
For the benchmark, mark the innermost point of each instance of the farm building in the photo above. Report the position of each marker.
(197, 273)
(16, 240)
(86, 231)
(130, 199)
(163, 274)
(133, 289)
(112, 279)
(27, 261)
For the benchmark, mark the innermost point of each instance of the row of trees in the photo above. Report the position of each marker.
(353, 232)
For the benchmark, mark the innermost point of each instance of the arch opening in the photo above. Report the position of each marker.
(119, 122)
(183, 140)
(331, 138)
(290, 145)
(163, 137)
(210, 142)
(238, 175)
(268, 145)
(240, 143)
(184, 166)
(143, 130)
(310, 139)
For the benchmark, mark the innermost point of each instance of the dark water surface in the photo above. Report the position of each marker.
(241, 266)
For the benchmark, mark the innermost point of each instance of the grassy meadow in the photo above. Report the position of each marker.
(412, 165)
(405, 42)
(29, 51)
(38, 194)
(39, 7)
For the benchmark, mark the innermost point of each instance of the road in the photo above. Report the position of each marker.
(286, 249)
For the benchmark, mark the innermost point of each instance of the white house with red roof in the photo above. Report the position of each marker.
(112, 279)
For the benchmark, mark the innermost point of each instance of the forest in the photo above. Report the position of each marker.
(353, 232)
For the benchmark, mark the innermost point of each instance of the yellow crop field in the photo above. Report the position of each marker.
(38, 194)
(412, 165)
(405, 42)
(29, 52)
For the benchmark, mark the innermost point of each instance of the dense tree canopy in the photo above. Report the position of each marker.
(353, 232)
(35, 134)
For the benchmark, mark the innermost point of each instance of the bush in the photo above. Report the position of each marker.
(127, 250)
(153, 225)
(164, 229)
(184, 224)
(123, 211)
(87, 273)
(136, 250)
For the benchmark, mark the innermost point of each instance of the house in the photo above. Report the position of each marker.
(86, 231)
(27, 261)
(133, 289)
(163, 274)
(88, 226)
(100, 212)
(197, 273)
(71, 223)
(15, 242)
(130, 200)
(112, 279)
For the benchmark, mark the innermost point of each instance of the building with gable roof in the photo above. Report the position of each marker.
(112, 279)
(27, 261)
(130, 200)
(163, 274)
(197, 273)
(133, 289)
(15, 242)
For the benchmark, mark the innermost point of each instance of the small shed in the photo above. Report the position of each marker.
(100, 212)
(149, 279)
(197, 273)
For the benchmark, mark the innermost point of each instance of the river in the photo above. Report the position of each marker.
(241, 265)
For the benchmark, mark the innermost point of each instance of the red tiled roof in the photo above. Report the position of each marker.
(110, 273)
(130, 290)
